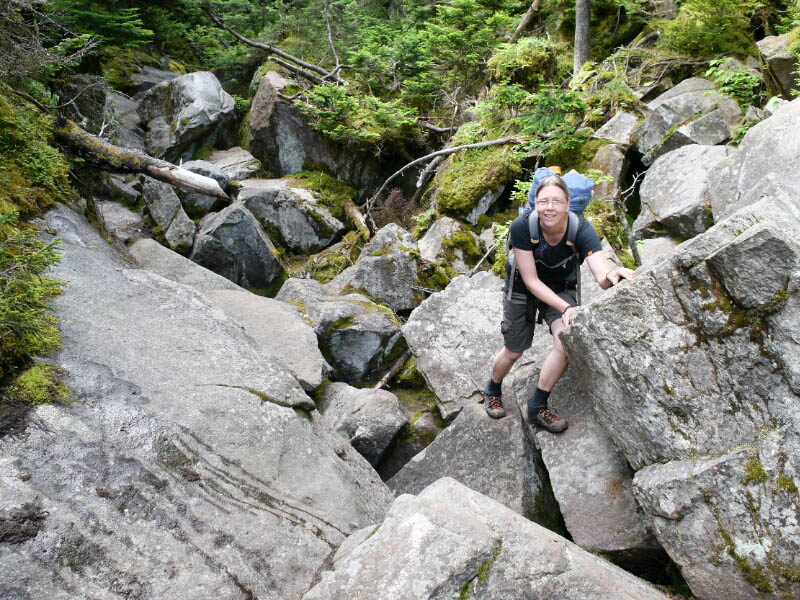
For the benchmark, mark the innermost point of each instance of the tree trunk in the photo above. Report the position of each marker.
(526, 20)
(582, 23)
(126, 160)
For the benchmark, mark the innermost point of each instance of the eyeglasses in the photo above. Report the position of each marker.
(548, 202)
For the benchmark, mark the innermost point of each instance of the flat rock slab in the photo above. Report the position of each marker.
(183, 470)
(237, 162)
(455, 334)
(495, 457)
(452, 542)
(590, 478)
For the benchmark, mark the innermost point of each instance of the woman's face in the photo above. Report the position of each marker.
(551, 206)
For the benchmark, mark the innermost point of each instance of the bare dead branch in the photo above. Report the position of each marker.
(268, 48)
(393, 371)
(526, 20)
(499, 142)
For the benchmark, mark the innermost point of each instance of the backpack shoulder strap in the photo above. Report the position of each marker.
(572, 229)
(533, 226)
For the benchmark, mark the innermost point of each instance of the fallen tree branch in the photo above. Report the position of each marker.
(526, 20)
(266, 47)
(393, 371)
(351, 210)
(127, 160)
(499, 142)
(435, 128)
(297, 71)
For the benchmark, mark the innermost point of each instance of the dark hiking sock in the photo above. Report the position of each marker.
(537, 403)
(493, 389)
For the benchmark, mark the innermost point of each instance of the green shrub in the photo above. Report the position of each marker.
(26, 328)
(528, 62)
(706, 28)
(740, 84)
(357, 120)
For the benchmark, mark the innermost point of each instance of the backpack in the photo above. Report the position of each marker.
(580, 189)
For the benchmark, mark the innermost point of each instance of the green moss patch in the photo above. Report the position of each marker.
(40, 384)
(331, 192)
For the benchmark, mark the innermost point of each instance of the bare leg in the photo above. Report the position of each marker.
(503, 362)
(556, 362)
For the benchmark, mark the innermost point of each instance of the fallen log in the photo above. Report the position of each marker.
(127, 160)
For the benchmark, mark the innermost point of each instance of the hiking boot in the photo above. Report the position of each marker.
(494, 405)
(550, 421)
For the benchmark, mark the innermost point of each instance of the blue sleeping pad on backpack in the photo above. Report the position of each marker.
(580, 189)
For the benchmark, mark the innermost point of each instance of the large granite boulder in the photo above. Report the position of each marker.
(777, 55)
(184, 113)
(692, 112)
(619, 129)
(611, 160)
(122, 224)
(452, 542)
(768, 158)
(514, 475)
(278, 136)
(696, 365)
(236, 162)
(442, 238)
(674, 193)
(369, 419)
(274, 326)
(359, 338)
(125, 126)
(197, 204)
(591, 480)
(167, 212)
(186, 461)
(455, 334)
(233, 244)
(293, 213)
(386, 270)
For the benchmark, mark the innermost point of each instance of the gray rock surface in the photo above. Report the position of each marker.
(455, 334)
(359, 338)
(197, 204)
(154, 257)
(776, 53)
(385, 270)
(611, 160)
(237, 162)
(185, 112)
(166, 210)
(768, 158)
(431, 245)
(233, 244)
(451, 542)
(279, 331)
(369, 419)
(591, 480)
(692, 112)
(120, 223)
(695, 363)
(125, 126)
(303, 224)
(483, 205)
(147, 77)
(674, 193)
(181, 469)
(654, 250)
(513, 475)
(276, 327)
(618, 129)
(278, 136)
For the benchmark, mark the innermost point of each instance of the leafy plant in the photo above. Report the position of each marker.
(707, 27)
(357, 120)
(26, 329)
(741, 85)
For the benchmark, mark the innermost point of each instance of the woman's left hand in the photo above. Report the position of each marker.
(567, 315)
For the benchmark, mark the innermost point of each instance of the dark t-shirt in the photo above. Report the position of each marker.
(586, 241)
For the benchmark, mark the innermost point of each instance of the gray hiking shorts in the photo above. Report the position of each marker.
(519, 318)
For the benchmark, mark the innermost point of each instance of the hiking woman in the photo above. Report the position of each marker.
(544, 281)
